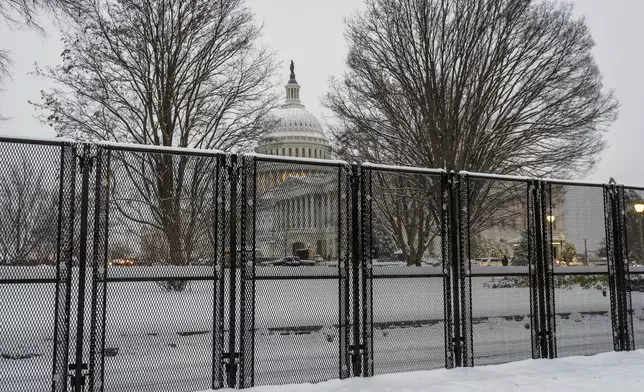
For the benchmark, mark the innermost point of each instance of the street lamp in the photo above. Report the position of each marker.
(639, 209)
(551, 218)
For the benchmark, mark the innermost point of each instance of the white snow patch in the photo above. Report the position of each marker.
(602, 372)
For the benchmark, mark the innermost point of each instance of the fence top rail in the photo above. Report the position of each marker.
(489, 176)
(47, 141)
(633, 188)
(301, 160)
(158, 149)
(393, 168)
(506, 177)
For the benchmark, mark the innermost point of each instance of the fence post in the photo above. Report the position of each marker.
(540, 271)
(366, 247)
(64, 252)
(355, 349)
(231, 355)
(78, 367)
(465, 270)
(99, 272)
(548, 269)
(626, 306)
(247, 271)
(219, 235)
(344, 207)
(456, 273)
(618, 269)
(446, 245)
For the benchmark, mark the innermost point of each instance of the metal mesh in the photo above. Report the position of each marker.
(634, 232)
(501, 319)
(406, 259)
(582, 294)
(197, 263)
(300, 212)
(583, 315)
(499, 255)
(163, 262)
(34, 256)
(634, 222)
(408, 324)
(637, 298)
(578, 227)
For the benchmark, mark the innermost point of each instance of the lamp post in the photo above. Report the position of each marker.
(639, 209)
(551, 219)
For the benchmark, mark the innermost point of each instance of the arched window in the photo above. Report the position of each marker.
(309, 152)
(297, 153)
(315, 152)
(290, 152)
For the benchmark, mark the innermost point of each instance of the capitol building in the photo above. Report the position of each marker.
(297, 203)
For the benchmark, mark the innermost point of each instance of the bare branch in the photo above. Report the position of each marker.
(499, 86)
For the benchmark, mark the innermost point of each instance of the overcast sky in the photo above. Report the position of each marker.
(310, 32)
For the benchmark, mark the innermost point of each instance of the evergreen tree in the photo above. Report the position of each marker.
(521, 253)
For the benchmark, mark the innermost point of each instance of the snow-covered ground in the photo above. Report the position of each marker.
(603, 372)
(163, 341)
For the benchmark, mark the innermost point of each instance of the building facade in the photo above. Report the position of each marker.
(297, 204)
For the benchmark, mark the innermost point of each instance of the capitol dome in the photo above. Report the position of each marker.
(299, 133)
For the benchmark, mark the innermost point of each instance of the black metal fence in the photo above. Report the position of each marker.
(132, 268)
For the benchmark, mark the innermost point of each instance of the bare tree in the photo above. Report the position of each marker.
(162, 72)
(24, 13)
(167, 73)
(405, 206)
(28, 215)
(500, 86)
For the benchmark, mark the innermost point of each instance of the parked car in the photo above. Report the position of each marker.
(291, 261)
(475, 263)
(432, 262)
(489, 261)
(121, 262)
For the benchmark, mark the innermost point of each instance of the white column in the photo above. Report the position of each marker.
(305, 199)
(280, 215)
(329, 211)
(316, 211)
(311, 209)
(300, 212)
(296, 212)
(323, 211)
(287, 212)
